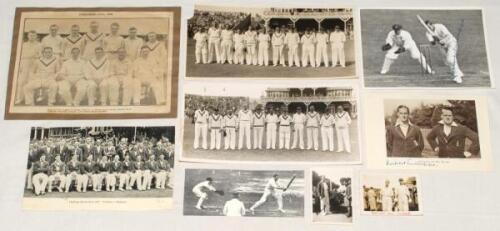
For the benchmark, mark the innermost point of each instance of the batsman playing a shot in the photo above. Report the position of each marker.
(397, 42)
(271, 189)
(438, 33)
(199, 191)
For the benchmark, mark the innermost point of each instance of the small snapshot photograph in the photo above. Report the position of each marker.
(242, 193)
(244, 42)
(431, 48)
(122, 168)
(332, 196)
(270, 123)
(94, 63)
(391, 194)
(432, 128)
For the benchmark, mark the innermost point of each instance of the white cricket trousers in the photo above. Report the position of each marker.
(215, 138)
(321, 55)
(200, 130)
(230, 139)
(308, 55)
(251, 56)
(278, 55)
(226, 52)
(293, 55)
(343, 139)
(244, 132)
(284, 137)
(327, 138)
(258, 135)
(263, 58)
(338, 54)
(312, 138)
(214, 49)
(271, 136)
(298, 136)
(201, 53)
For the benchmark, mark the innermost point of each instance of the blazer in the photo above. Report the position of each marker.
(399, 145)
(453, 145)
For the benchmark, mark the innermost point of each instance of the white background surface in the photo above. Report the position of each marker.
(453, 200)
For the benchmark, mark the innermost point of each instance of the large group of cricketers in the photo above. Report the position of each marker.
(93, 68)
(289, 47)
(81, 164)
(246, 128)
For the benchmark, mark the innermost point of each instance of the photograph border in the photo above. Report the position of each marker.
(486, 41)
(8, 115)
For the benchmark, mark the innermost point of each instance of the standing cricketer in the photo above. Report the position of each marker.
(258, 123)
(115, 169)
(251, 46)
(337, 40)
(200, 127)
(403, 196)
(441, 34)
(342, 125)
(298, 120)
(133, 44)
(263, 51)
(201, 46)
(215, 126)
(125, 173)
(234, 207)
(278, 43)
(32, 49)
(324, 194)
(239, 47)
(74, 39)
(54, 40)
(138, 174)
(285, 121)
(312, 123)
(163, 171)
(229, 123)
(226, 45)
(322, 48)
(87, 173)
(57, 170)
(72, 173)
(387, 194)
(244, 128)
(271, 126)
(200, 191)
(271, 189)
(113, 42)
(326, 122)
(308, 40)
(92, 40)
(97, 72)
(292, 41)
(397, 42)
(403, 138)
(214, 43)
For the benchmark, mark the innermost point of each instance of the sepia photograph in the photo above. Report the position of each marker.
(332, 196)
(94, 63)
(391, 194)
(243, 193)
(244, 42)
(428, 132)
(431, 129)
(270, 123)
(431, 48)
(100, 168)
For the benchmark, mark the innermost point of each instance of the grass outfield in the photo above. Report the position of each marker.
(233, 70)
(270, 155)
(250, 185)
(153, 193)
(405, 72)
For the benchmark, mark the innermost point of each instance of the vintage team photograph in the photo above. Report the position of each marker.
(332, 196)
(94, 63)
(243, 193)
(431, 132)
(262, 122)
(70, 167)
(437, 48)
(391, 194)
(243, 42)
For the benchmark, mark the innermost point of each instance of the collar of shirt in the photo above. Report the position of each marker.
(454, 124)
(399, 123)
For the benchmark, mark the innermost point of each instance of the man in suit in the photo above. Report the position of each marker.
(97, 150)
(324, 194)
(40, 175)
(447, 138)
(404, 139)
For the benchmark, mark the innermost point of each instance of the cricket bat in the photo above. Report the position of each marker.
(289, 183)
(425, 25)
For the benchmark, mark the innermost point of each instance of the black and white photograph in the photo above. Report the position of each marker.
(432, 129)
(332, 196)
(270, 42)
(391, 194)
(96, 166)
(428, 132)
(243, 193)
(270, 123)
(94, 63)
(426, 48)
